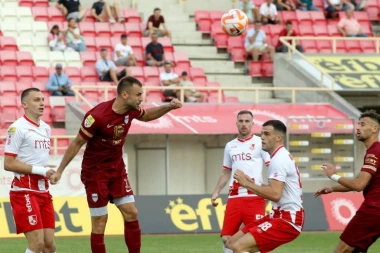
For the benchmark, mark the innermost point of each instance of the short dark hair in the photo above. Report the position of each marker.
(103, 49)
(289, 23)
(372, 115)
(156, 9)
(68, 21)
(184, 73)
(167, 63)
(126, 83)
(26, 92)
(244, 112)
(277, 125)
(123, 36)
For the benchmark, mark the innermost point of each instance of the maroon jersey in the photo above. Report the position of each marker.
(106, 132)
(371, 192)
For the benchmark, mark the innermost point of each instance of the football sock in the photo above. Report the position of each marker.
(97, 243)
(132, 236)
(29, 251)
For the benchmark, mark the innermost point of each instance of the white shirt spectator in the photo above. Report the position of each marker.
(125, 51)
(266, 10)
(259, 40)
(168, 76)
(102, 65)
(333, 2)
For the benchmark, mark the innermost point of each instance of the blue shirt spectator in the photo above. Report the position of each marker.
(59, 83)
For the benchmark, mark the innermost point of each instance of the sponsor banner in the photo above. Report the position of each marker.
(157, 215)
(220, 119)
(351, 72)
(340, 208)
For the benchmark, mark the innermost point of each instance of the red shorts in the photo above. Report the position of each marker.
(362, 231)
(242, 210)
(32, 210)
(104, 187)
(269, 233)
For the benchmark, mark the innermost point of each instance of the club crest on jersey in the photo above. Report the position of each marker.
(12, 130)
(89, 121)
(252, 147)
(94, 197)
(32, 219)
(126, 119)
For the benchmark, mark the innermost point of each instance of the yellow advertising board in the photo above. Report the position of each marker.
(351, 72)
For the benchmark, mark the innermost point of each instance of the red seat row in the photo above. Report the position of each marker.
(8, 43)
(34, 3)
(16, 58)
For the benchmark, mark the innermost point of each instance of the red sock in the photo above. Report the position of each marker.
(132, 236)
(97, 243)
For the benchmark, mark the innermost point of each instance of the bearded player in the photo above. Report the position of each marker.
(105, 129)
(244, 153)
(363, 229)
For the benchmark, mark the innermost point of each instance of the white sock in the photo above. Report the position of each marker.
(29, 251)
(227, 250)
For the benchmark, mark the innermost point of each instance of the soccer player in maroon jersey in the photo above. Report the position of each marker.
(105, 129)
(363, 230)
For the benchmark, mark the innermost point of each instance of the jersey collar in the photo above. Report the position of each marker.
(277, 149)
(246, 139)
(32, 122)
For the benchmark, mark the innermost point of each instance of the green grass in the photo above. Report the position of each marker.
(204, 243)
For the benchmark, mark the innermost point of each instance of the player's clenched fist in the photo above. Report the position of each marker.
(55, 177)
(175, 104)
(214, 198)
(324, 190)
(242, 178)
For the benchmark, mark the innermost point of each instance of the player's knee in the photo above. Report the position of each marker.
(236, 247)
(225, 239)
(133, 214)
(99, 224)
(49, 244)
(37, 245)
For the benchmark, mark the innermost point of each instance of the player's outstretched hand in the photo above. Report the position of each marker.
(214, 197)
(50, 172)
(242, 178)
(324, 190)
(175, 104)
(329, 169)
(55, 177)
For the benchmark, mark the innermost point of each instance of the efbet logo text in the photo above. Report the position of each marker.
(188, 218)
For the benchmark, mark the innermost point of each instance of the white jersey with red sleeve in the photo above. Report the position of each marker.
(29, 143)
(248, 156)
(283, 168)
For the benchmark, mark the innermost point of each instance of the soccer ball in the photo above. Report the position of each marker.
(234, 22)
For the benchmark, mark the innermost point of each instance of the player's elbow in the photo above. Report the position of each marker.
(359, 187)
(8, 165)
(276, 197)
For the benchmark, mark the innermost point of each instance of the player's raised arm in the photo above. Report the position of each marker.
(157, 112)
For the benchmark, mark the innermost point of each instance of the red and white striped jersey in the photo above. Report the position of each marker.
(283, 168)
(30, 144)
(245, 155)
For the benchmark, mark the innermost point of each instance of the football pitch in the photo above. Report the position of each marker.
(307, 242)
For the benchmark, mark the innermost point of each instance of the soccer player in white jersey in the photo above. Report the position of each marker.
(284, 189)
(244, 153)
(26, 155)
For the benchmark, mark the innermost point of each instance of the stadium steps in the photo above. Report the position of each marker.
(202, 52)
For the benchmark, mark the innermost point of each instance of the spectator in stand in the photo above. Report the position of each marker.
(288, 32)
(285, 5)
(123, 53)
(56, 40)
(72, 9)
(349, 26)
(169, 78)
(104, 12)
(249, 8)
(191, 95)
(333, 7)
(154, 23)
(256, 43)
(107, 69)
(307, 5)
(73, 37)
(268, 12)
(59, 83)
(155, 52)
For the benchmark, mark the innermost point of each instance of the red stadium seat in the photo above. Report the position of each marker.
(74, 74)
(267, 68)
(20, 86)
(41, 3)
(8, 73)
(199, 15)
(145, 41)
(8, 89)
(40, 14)
(131, 16)
(275, 29)
(215, 16)
(373, 13)
(87, 29)
(51, 70)
(361, 16)
(25, 3)
(198, 76)
(333, 30)
(317, 17)
(133, 30)
(140, 57)
(367, 45)
(138, 72)
(24, 74)
(118, 29)
(169, 57)
(308, 44)
(203, 20)
(340, 45)
(25, 58)
(8, 58)
(220, 40)
(89, 74)
(289, 16)
(366, 28)
(50, 25)
(102, 29)
(212, 85)
(306, 30)
(324, 44)
(231, 99)
(8, 43)
(152, 75)
(9, 107)
(181, 60)
(103, 42)
(320, 30)
(303, 16)
(235, 42)
(41, 86)
(55, 14)
(353, 45)
(40, 74)
(238, 55)
(90, 44)
(166, 43)
(135, 43)
(88, 58)
(89, 17)
(255, 69)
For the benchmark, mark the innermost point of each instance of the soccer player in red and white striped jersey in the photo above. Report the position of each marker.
(26, 155)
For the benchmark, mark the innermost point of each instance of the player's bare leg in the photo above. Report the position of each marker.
(246, 243)
(49, 243)
(98, 224)
(343, 248)
(35, 241)
(225, 239)
(132, 231)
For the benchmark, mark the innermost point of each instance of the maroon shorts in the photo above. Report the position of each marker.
(241, 210)
(32, 210)
(362, 231)
(270, 233)
(103, 187)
